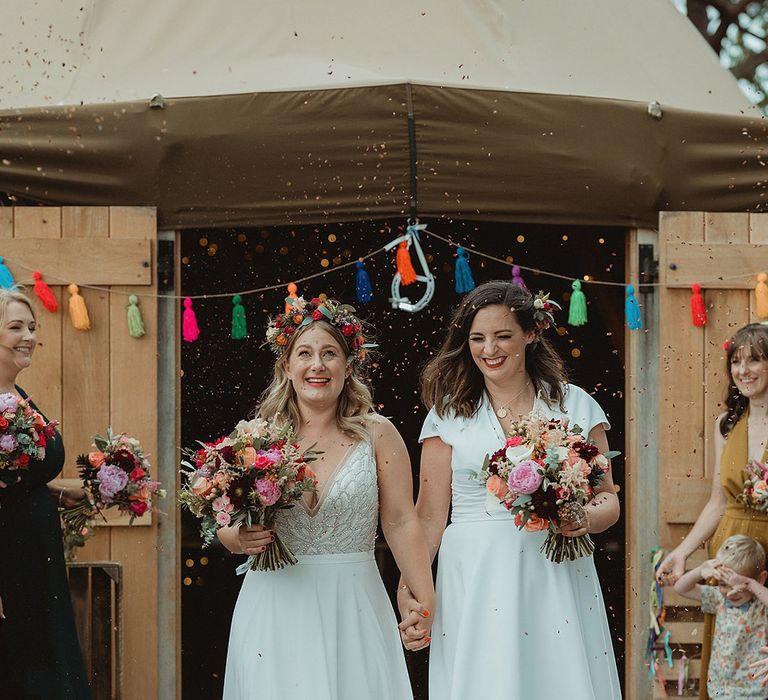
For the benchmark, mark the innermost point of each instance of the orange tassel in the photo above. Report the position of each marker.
(44, 292)
(761, 296)
(404, 265)
(291, 298)
(698, 309)
(78, 311)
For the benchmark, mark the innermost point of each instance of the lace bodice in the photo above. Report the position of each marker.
(347, 512)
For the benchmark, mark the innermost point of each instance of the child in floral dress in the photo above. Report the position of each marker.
(740, 605)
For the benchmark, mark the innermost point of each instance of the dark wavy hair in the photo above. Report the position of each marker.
(753, 339)
(451, 381)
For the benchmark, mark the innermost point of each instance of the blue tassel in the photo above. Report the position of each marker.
(6, 278)
(362, 284)
(632, 310)
(464, 280)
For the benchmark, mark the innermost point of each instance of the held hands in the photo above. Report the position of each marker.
(671, 568)
(416, 621)
(254, 539)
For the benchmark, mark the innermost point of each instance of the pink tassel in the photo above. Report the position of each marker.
(44, 292)
(189, 328)
(517, 279)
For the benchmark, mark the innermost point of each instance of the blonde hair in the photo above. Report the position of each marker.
(354, 408)
(8, 296)
(742, 553)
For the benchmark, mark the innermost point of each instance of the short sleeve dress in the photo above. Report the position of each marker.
(509, 624)
(40, 654)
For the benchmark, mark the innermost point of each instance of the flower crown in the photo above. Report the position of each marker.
(300, 313)
(543, 310)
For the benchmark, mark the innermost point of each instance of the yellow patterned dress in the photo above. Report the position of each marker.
(735, 521)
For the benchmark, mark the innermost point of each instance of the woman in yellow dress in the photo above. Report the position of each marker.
(741, 433)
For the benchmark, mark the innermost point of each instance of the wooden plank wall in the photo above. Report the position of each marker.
(693, 372)
(98, 378)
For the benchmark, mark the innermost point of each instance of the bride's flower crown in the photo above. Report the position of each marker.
(300, 313)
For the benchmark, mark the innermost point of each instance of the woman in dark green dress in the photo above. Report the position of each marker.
(40, 656)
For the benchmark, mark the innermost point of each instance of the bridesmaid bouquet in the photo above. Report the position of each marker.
(246, 479)
(545, 474)
(754, 495)
(23, 434)
(116, 475)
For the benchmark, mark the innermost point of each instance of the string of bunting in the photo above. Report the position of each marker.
(405, 276)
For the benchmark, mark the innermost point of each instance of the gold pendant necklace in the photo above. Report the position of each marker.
(504, 411)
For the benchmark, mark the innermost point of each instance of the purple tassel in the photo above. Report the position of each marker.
(517, 279)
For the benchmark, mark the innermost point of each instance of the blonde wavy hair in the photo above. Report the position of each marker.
(354, 410)
(8, 296)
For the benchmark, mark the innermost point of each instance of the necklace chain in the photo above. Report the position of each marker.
(504, 411)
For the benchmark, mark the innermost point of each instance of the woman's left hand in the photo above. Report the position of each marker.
(575, 528)
(71, 497)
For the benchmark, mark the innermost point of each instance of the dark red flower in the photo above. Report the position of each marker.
(124, 459)
(239, 488)
(348, 329)
(139, 507)
(137, 474)
(317, 315)
(23, 459)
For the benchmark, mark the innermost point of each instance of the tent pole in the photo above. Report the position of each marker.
(413, 207)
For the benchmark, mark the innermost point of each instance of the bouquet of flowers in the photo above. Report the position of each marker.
(545, 474)
(23, 434)
(754, 495)
(116, 475)
(246, 478)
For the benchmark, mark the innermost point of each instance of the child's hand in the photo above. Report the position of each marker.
(760, 668)
(710, 569)
(731, 578)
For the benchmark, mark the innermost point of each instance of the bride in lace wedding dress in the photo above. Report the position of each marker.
(324, 628)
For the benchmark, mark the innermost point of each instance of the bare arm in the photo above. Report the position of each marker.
(604, 509)
(673, 565)
(688, 584)
(399, 521)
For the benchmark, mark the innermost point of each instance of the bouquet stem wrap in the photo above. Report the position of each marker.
(559, 548)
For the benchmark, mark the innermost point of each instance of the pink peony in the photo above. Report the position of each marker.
(525, 477)
(223, 518)
(269, 491)
(514, 441)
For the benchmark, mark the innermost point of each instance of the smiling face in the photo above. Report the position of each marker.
(497, 343)
(17, 337)
(749, 372)
(317, 366)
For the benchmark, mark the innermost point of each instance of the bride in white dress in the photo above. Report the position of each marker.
(325, 629)
(510, 624)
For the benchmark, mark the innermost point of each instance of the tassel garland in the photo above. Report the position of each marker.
(293, 294)
(190, 331)
(363, 289)
(517, 279)
(44, 293)
(404, 264)
(6, 278)
(465, 282)
(698, 308)
(761, 296)
(239, 326)
(135, 321)
(78, 311)
(632, 310)
(577, 309)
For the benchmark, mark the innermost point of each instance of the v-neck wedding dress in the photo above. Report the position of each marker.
(323, 629)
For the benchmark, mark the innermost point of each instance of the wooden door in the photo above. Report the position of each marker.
(103, 377)
(724, 253)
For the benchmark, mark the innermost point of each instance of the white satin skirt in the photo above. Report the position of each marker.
(511, 625)
(323, 629)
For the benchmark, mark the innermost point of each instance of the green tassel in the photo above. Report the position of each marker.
(135, 322)
(577, 311)
(239, 327)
